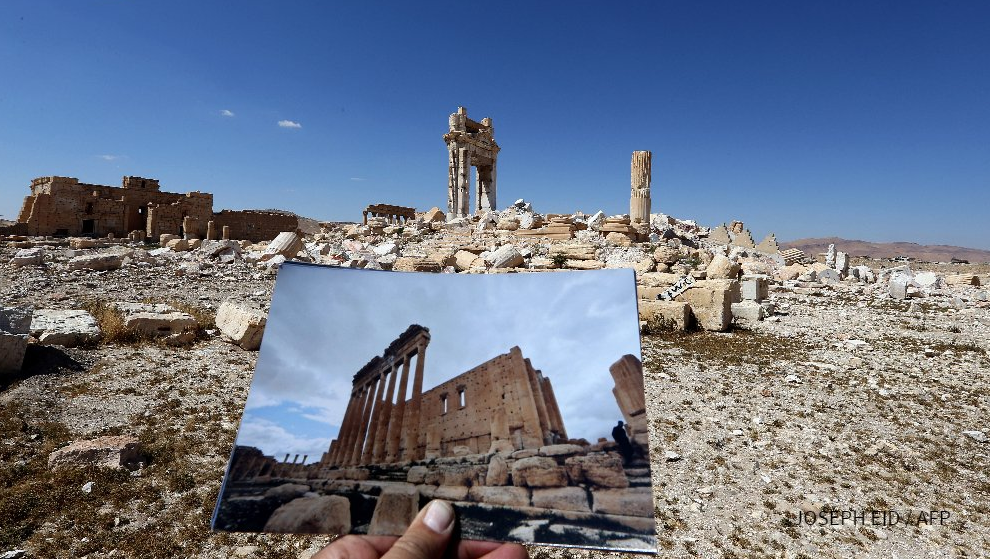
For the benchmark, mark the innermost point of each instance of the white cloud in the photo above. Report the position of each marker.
(289, 124)
(266, 435)
(226, 112)
(358, 179)
(109, 157)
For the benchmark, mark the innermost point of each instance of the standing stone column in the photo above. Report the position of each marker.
(226, 232)
(187, 228)
(345, 427)
(211, 230)
(395, 426)
(361, 428)
(630, 394)
(381, 435)
(413, 430)
(376, 417)
(639, 201)
(464, 183)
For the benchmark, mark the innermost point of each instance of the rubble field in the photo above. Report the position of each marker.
(780, 387)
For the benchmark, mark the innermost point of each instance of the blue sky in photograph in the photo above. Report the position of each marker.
(326, 323)
(865, 120)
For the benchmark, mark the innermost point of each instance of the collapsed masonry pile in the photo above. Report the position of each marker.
(566, 482)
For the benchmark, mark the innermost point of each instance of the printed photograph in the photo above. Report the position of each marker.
(519, 398)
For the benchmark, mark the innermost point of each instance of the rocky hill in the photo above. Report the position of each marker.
(928, 253)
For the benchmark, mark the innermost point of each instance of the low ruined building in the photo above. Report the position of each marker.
(393, 214)
(470, 143)
(503, 399)
(63, 206)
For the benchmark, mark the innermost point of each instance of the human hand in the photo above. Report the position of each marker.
(426, 538)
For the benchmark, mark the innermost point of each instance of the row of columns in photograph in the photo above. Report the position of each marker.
(259, 466)
(372, 431)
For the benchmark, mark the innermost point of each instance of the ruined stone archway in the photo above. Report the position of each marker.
(470, 143)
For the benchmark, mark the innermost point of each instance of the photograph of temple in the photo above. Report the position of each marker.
(493, 439)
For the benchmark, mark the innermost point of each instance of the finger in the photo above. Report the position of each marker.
(356, 547)
(473, 549)
(428, 535)
(508, 551)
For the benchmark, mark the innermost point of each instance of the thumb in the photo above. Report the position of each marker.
(428, 535)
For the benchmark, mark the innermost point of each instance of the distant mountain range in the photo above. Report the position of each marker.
(928, 253)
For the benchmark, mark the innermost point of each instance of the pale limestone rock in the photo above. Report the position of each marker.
(286, 243)
(397, 507)
(562, 498)
(637, 501)
(600, 469)
(505, 257)
(417, 474)
(584, 264)
(754, 287)
(722, 268)
(98, 262)
(122, 451)
(538, 471)
(12, 350)
(287, 491)
(574, 252)
(434, 215)
(498, 471)
(672, 315)
(164, 239)
(507, 496)
(64, 328)
(329, 514)
(747, 311)
(561, 450)
(28, 257)
(710, 302)
(667, 254)
(241, 324)
(451, 492)
(618, 239)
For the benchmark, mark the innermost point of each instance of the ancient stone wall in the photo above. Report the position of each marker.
(65, 206)
(253, 225)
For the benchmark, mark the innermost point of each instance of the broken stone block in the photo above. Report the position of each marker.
(397, 507)
(464, 260)
(747, 311)
(898, 285)
(600, 470)
(842, 263)
(665, 315)
(121, 451)
(498, 471)
(328, 514)
(722, 268)
(754, 287)
(82, 243)
(212, 249)
(618, 239)
(164, 239)
(561, 450)
(828, 275)
(28, 257)
(628, 502)
(509, 224)
(417, 474)
(562, 498)
(451, 492)
(12, 349)
(962, 279)
(710, 302)
(927, 280)
(507, 496)
(97, 262)
(434, 215)
(538, 471)
(574, 252)
(64, 328)
(505, 257)
(178, 245)
(162, 324)
(286, 243)
(386, 248)
(287, 491)
(241, 324)
(584, 264)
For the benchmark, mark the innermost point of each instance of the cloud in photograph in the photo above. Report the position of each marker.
(226, 112)
(326, 323)
(289, 124)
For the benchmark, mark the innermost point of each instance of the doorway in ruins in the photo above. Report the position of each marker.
(137, 218)
(88, 226)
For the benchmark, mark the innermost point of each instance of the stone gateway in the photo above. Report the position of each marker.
(470, 143)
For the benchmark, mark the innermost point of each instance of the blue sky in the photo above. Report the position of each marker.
(326, 323)
(862, 120)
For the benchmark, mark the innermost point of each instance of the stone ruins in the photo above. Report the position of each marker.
(503, 403)
(491, 440)
(391, 214)
(63, 206)
(642, 176)
(470, 143)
